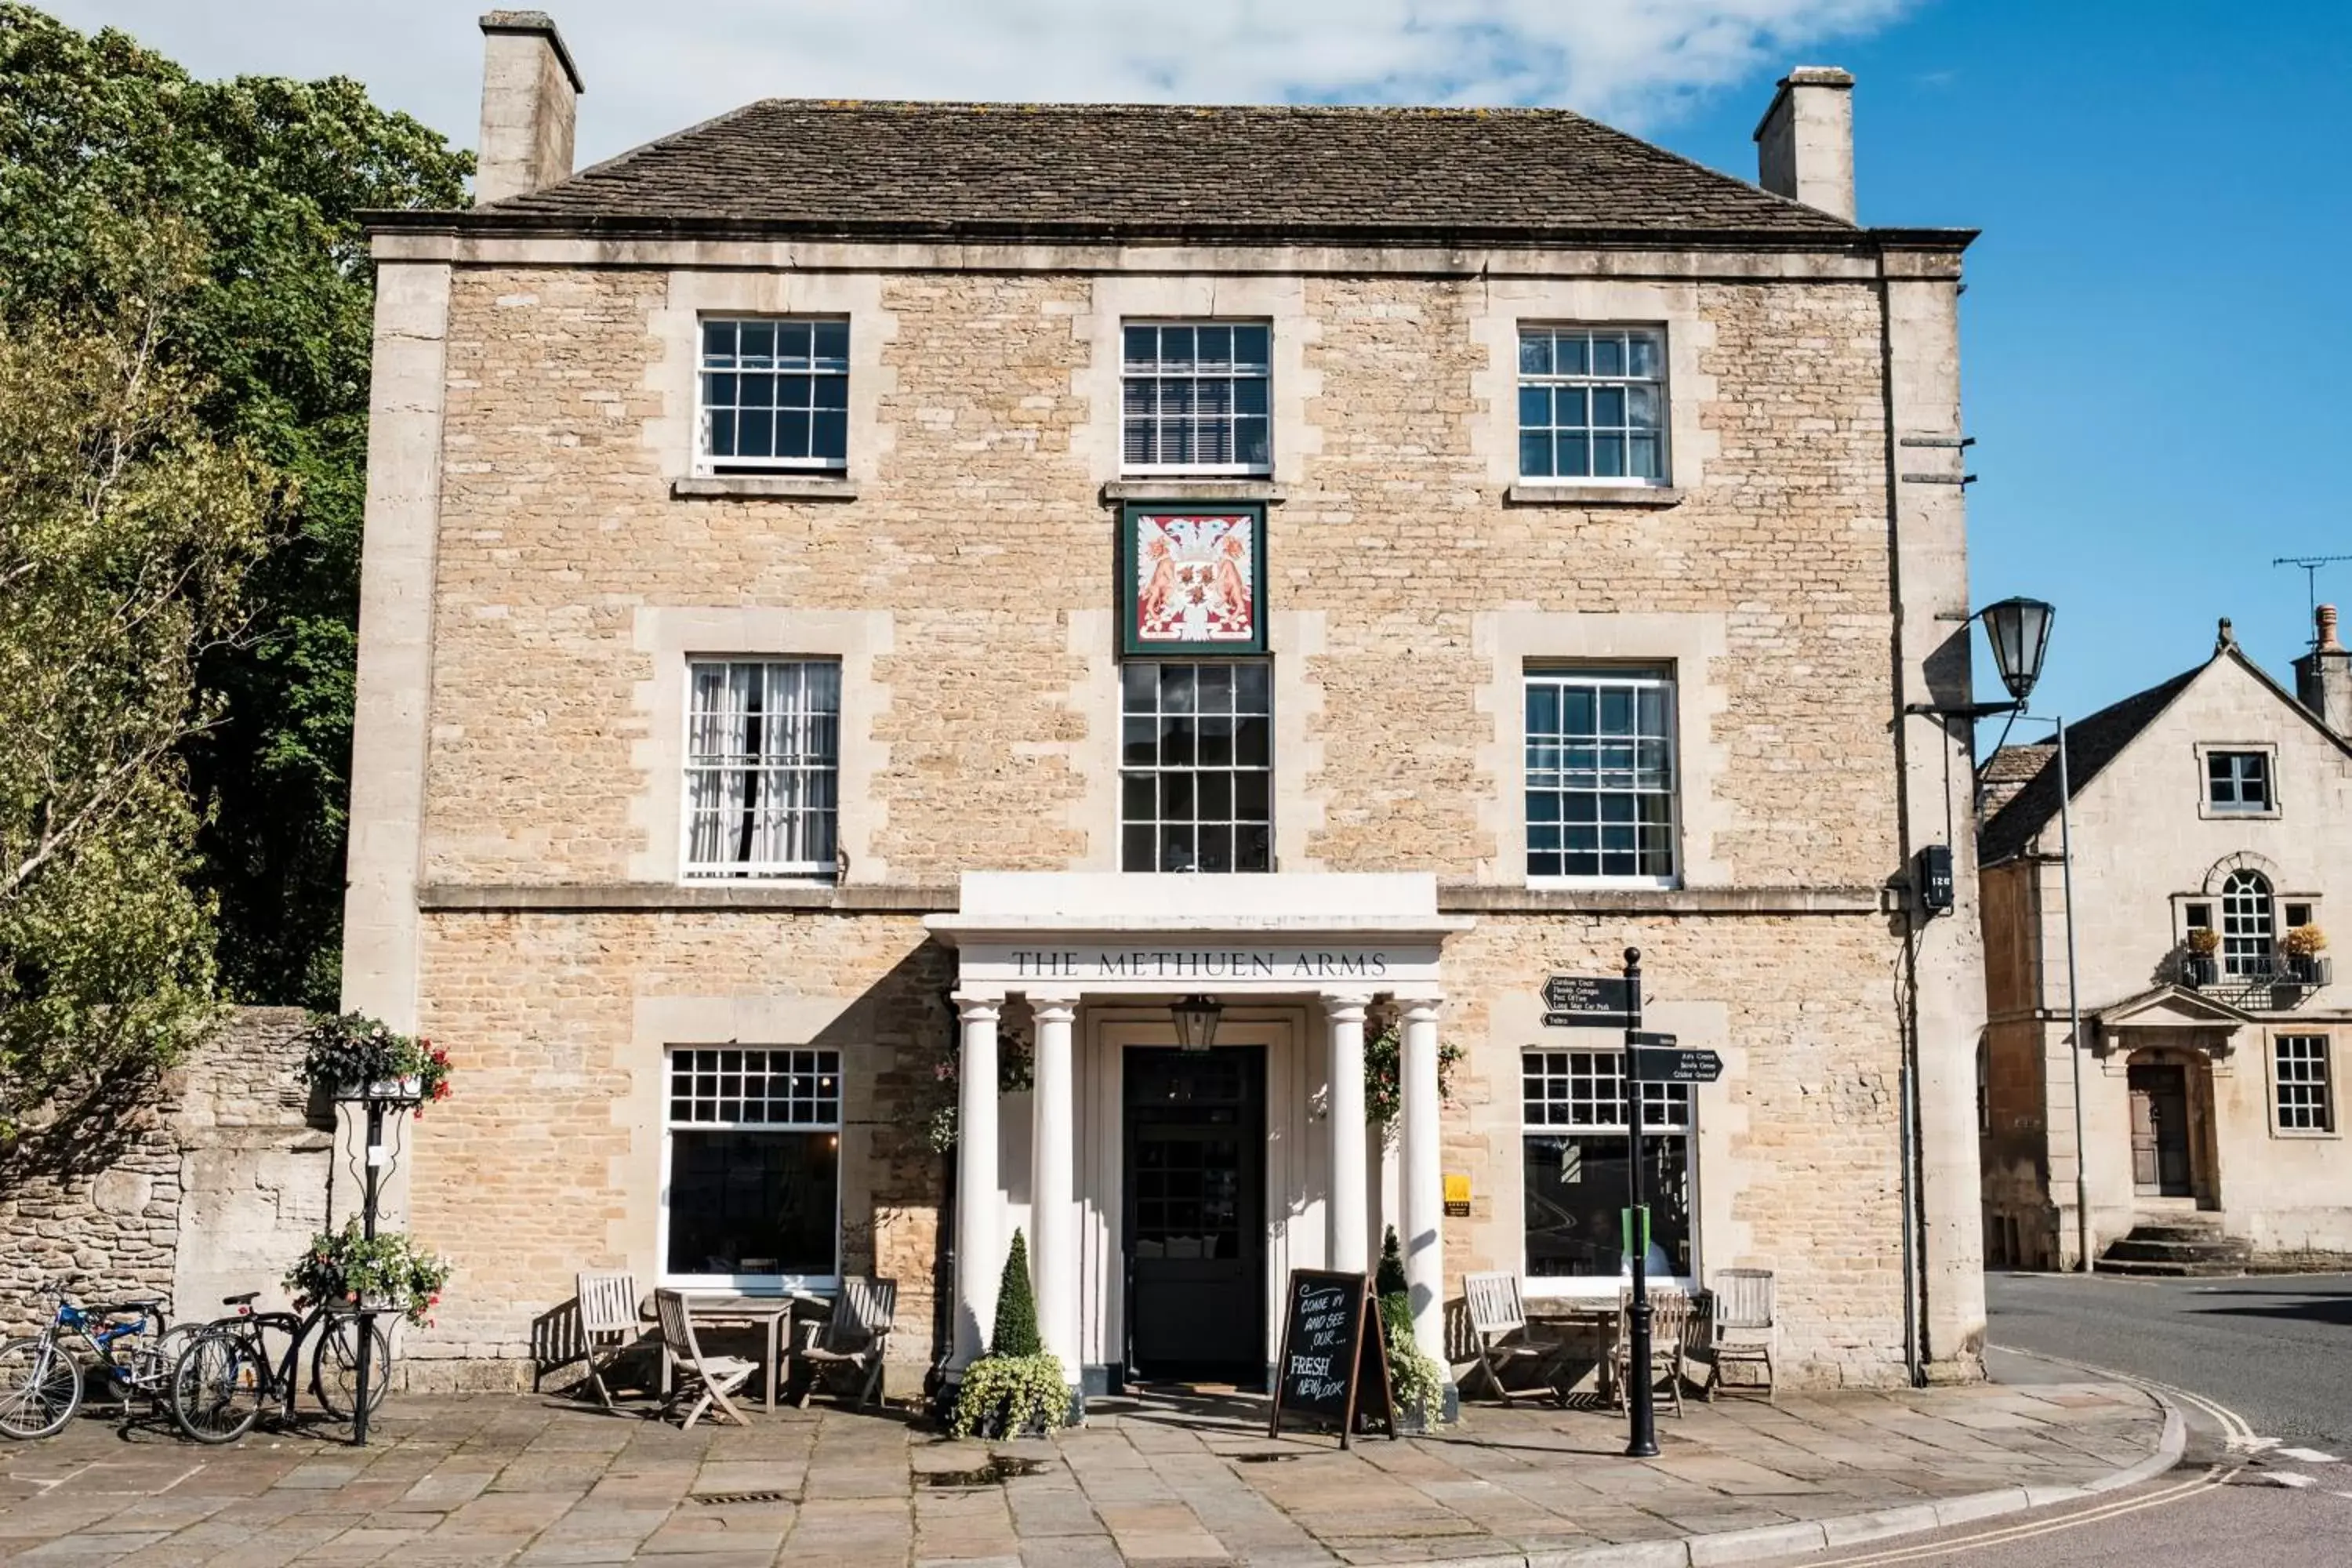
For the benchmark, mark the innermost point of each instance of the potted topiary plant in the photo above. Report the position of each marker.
(2197, 962)
(1016, 1389)
(2304, 946)
(1419, 1381)
(390, 1273)
(355, 1056)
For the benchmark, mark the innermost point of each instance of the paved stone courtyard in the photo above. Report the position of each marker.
(529, 1481)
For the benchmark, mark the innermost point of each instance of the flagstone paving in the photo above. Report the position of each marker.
(539, 1480)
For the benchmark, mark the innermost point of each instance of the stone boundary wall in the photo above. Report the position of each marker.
(206, 1180)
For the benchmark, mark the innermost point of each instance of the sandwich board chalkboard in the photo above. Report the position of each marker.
(1335, 1362)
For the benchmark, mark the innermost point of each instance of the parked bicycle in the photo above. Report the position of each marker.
(225, 1378)
(44, 1377)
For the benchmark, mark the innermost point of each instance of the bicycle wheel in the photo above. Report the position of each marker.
(218, 1388)
(335, 1366)
(40, 1387)
(152, 1361)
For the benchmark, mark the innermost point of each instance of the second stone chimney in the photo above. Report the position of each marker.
(2322, 677)
(1804, 145)
(531, 93)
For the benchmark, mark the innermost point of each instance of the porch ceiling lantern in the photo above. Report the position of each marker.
(2019, 630)
(1196, 1022)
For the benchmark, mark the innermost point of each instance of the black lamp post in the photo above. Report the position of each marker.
(1196, 1022)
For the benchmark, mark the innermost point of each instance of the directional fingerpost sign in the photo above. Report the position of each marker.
(1587, 1001)
(1667, 1063)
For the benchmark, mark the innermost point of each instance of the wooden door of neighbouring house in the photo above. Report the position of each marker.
(2160, 1111)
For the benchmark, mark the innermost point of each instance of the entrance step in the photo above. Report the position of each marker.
(2178, 1244)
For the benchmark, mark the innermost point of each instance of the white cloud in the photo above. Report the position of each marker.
(653, 67)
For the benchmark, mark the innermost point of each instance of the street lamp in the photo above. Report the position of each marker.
(1196, 1022)
(2019, 630)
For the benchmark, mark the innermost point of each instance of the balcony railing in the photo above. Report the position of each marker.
(2205, 972)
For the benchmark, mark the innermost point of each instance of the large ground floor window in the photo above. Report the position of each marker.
(1577, 1178)
(753, 1190)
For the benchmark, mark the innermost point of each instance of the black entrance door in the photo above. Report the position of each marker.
(1195, 1220)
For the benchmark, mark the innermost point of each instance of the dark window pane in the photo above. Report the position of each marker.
(1253, 744)
(831, 391)
(1250, 689)
(1176, 797)
(792, 434)
(1137, 851)
(1535, 353)
(1142, 345)
(1176, 348)
(718, 340)
(1534, 408)
(1608, 354)
(829, 436)
(1140, 687)
(1176, 687)
(1569, 408)
(1176, 849)
(1252, 443)
(1137, 796)
(1609, 457)
(1216, 749)
(1543, 710)
(1568, 358)
(1607, 407)
(722, 434)
(1175, 743)
(832, 345)
(1143, 743)
(1252, 848)
(1535, 456)
(757, 343)
(754, 435)
(1216, 847)
(753, 1203)
(1575, 457)
(1253, 346)
(1216, 687)
(1213, 793)
(1252, 798)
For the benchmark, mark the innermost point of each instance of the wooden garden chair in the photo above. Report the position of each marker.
(706, 1379)
(1670, 1320)
(1499, 1328)
(609, 1324)
(1742, 1329)
(845, 1352)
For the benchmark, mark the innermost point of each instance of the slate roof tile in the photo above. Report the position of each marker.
(855, 166)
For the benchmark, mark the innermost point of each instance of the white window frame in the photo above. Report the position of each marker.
(2206, 806)
(1522, 378)
(706, 462)
(1232, 820)
(2324, 1081)
(693, 870)
(2268, 935)
(763, 1284)
(1656, 1097)
(1660, 678)
(1240, 470)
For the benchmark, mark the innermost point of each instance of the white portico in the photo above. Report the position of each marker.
(1140, 1172)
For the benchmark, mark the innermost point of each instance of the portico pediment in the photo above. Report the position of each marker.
(2170, 1015)
(1093, 933)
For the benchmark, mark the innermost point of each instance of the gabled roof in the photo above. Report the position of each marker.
(2093, 742)
(2170, 1006)
(975, 169)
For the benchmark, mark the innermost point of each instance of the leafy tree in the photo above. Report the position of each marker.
(126, 528)
(1016, 1306)
(100, 141)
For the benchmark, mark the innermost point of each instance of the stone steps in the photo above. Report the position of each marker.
(2178, 1244)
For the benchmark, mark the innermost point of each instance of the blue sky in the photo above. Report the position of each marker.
(2154, 328)
(2156, 335)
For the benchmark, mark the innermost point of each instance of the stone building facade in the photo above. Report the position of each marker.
(2211, 819)
(871, 428)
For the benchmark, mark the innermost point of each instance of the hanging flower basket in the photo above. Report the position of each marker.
(360, 1059)
(388, 1274)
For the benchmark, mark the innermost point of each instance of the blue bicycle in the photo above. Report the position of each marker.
(44, 1377)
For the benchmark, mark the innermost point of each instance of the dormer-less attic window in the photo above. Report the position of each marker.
(774, 394)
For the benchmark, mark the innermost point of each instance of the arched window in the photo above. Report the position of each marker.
(2246, 925)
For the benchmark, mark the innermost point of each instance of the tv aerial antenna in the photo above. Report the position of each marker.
(2311, 565)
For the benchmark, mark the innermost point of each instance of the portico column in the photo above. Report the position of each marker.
(979, 1250)
(1424, 1188)
(1350, 1243)
(1053, 1173)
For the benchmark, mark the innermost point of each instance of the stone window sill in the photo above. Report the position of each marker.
(1460, 897)
(1266, 490)
(1657, 496)
(770, 486)
(630, 897)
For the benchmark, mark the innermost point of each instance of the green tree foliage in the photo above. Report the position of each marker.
(100, 141)
(127, 527)
(1016, 1306)
(1390, 1279)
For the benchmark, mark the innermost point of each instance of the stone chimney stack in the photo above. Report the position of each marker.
(1804, 145)
(531, 93)
(2322, 677)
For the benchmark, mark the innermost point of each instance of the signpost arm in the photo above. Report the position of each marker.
(1642, 1443)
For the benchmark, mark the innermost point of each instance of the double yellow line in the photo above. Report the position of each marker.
(2239, 1436)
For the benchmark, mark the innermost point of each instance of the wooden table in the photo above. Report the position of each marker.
(772, 1314)
(1564, 1315)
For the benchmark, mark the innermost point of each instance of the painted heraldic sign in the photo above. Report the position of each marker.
(1191, 580)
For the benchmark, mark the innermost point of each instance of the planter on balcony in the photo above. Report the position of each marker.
(2198, 970)
(2310, 969)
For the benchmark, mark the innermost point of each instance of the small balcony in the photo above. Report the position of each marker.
(2256, 986)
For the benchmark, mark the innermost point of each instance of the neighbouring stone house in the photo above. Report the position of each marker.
(866, 606)
(2211, 821)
